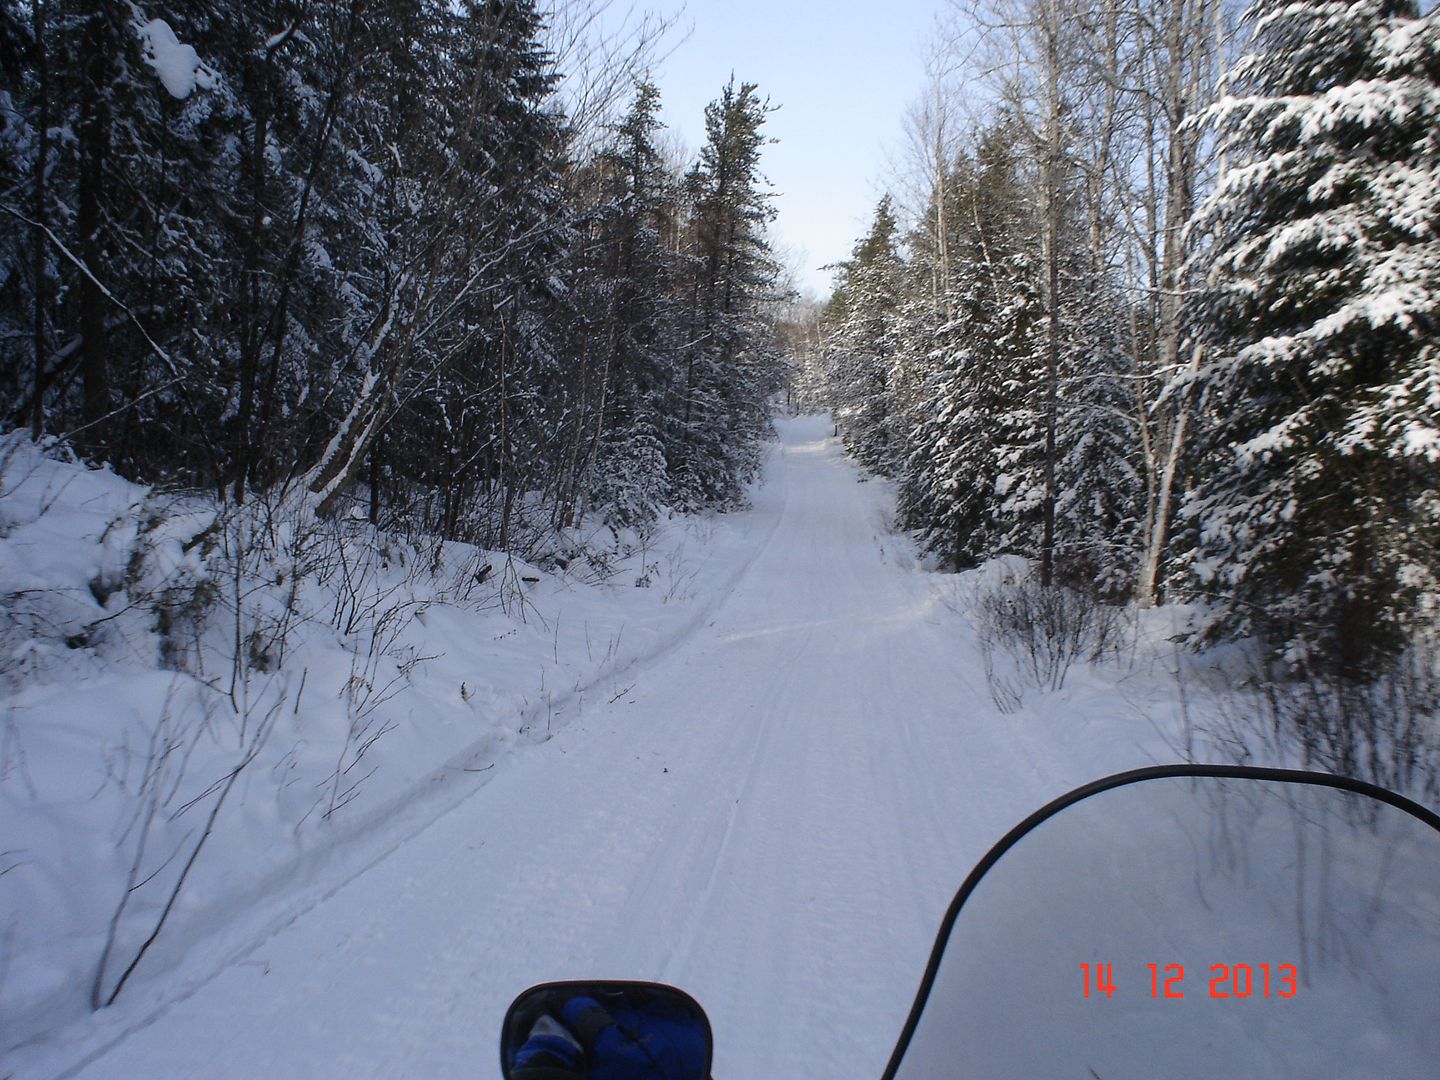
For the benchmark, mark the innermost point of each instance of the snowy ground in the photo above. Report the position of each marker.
(773, 815)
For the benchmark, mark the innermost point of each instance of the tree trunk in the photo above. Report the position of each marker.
(1051, 240)
(1187, 50)
(42, 162)
(94, 137)
(250, 276)
(279, 319)
(347, 448)
(1159, 527)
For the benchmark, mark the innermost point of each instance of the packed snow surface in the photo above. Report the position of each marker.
(773, 813)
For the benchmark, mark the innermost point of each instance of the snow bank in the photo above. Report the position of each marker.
(256, 691)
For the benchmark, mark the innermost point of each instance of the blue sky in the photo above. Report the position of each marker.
(842, 72)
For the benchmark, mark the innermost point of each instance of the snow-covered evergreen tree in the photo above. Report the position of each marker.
(461, 334)
(1099, 510)
(1316, 501)
(970, 434)
(627, 296)
(260, 244)
(862, 342)
(731, 364)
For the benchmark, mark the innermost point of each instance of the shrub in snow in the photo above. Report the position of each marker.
(632, 483)
(196, 698)
(1031, 634)
(1382, 730)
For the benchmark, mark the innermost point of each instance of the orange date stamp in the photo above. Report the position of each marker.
(1167, 981)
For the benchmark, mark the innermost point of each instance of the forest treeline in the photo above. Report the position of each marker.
(360, 246)
(1161, 312)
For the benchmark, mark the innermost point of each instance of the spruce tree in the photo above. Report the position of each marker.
(628, 287)
(731, 362)
(973, 436)
(862, 340)
(458, 367)
(1315, 498)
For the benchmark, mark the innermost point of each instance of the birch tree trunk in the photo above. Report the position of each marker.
(1185, 54)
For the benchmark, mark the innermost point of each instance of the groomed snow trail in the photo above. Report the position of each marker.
(774, 817)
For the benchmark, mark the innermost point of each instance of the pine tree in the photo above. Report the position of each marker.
(501, 390)
(1315, 500)
(117, 217)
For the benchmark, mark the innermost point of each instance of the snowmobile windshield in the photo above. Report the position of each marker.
(1193, 925)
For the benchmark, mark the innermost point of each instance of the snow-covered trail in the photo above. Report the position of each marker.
(773, 817)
